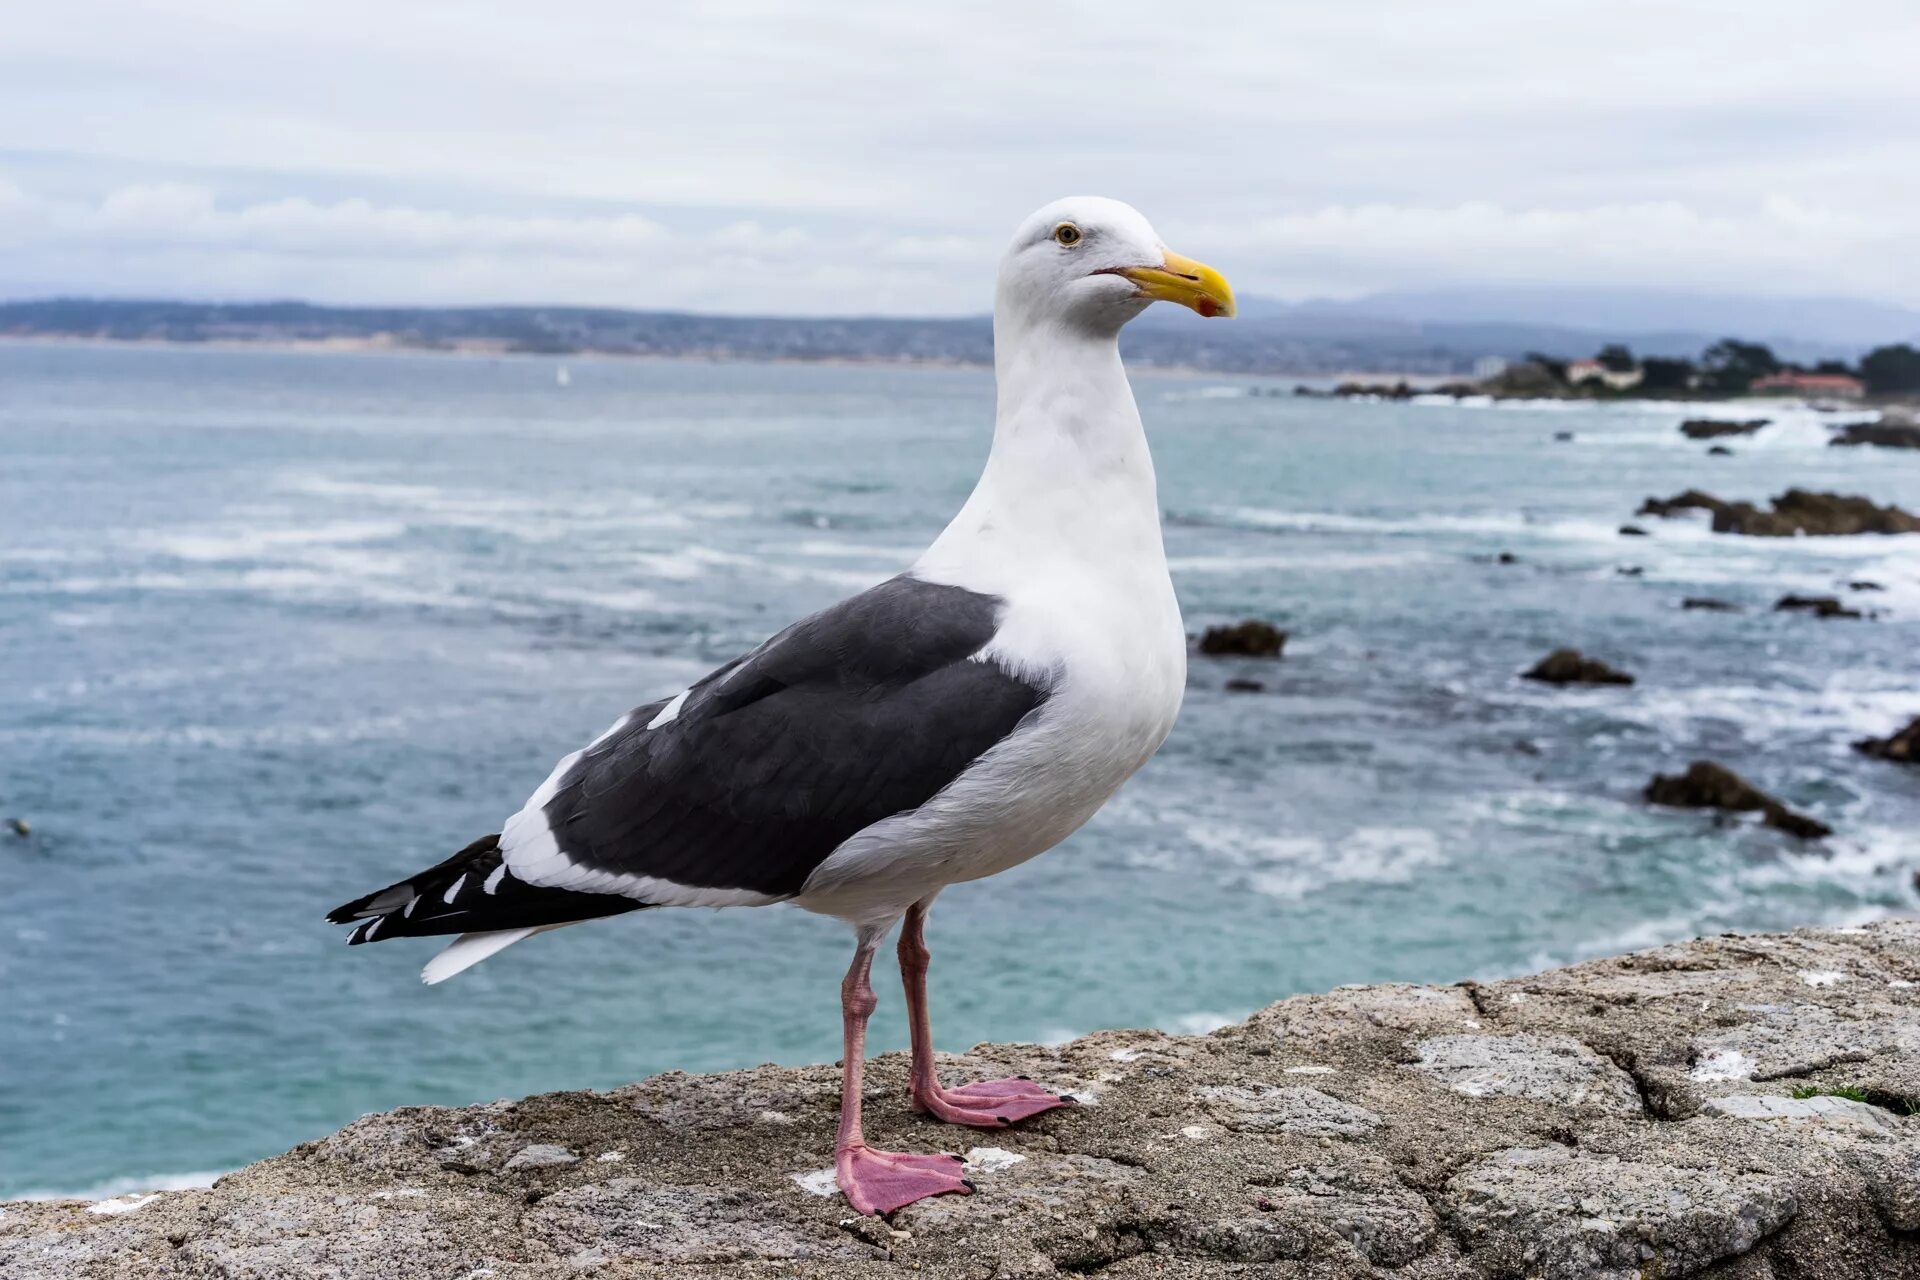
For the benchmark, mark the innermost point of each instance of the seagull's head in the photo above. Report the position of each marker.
(1094, 264)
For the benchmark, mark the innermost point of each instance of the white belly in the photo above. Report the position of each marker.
(1118, 667)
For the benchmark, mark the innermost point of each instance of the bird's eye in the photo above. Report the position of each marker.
(1067, 234)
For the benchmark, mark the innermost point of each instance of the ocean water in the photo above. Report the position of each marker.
(278, 628)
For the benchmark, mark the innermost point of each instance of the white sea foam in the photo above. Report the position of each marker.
(1292, 867)
(247, 541)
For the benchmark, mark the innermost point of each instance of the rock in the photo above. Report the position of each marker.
(1709, 603)
(1706, 785)
(541, 1155)
(1902, 746)
(1557, 1069)
(1573, 1216)
(1631, 570)
(1863, 585)
(1301, 1110)
(1709, 429)
(1570, 666)
(1719, 451)
(1795, 512)
(1686, 500)
(1887, 435)
(1626, 1118)
(1506, 557)
(1632, 531)
(1818, 606)
(1250, 639)
(1562, 437)
(1240, 684)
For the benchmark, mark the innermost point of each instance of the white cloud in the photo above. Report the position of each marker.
(790, 157)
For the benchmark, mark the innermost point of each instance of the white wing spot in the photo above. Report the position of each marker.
(453, 889)
(671, 710)
(493, 881)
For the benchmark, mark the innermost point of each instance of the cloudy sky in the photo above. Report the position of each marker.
(872, 158)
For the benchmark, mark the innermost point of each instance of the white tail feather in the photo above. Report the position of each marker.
(470, 949)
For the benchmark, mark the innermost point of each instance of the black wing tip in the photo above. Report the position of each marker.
(348, 912)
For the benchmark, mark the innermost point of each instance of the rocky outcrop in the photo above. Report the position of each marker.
(1735, 1108)
(1570, 666)
(1711, 604)
(1888, 435)
(1795, 512)
(1250, 639)
(1710, 429)
(1818, 606)
(1902, 746)
(1706, 785)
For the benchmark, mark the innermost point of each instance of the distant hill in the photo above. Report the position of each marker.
(1411, 333)
(1664, 323)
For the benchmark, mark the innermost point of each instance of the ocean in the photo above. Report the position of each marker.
(278, 628)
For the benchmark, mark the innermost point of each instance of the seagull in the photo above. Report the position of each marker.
(946, 725)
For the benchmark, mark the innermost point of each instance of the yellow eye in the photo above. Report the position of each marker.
(1067, 234)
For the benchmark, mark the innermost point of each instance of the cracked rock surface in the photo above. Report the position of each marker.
(1626, 1118)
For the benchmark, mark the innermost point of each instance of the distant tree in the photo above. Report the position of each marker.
(1895, 368)
(1730, 366)
(1615, 358)
(1658, 373)
(1834, 366)
(1552, 364)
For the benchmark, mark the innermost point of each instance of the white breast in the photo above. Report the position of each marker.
(1116, 660)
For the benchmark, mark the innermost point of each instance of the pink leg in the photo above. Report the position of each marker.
(877, 1181)
(990, 1104)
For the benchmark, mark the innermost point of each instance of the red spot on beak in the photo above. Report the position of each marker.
(1207, 307)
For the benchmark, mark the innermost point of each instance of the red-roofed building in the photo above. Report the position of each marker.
(1843, 385)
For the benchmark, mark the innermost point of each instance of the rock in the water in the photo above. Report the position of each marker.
(1888, 435)
(1861, 584)
(1506, 557)
(1795, 512)
(1719, 451)
(1562, 437)
(1632, 531)
(1706, 785)
(1570, 666)
(1240, 684)
(1250, 639)
(1709, 429)
(1903, 746)
(1710, 604)
(1686, 500)
(1818, 606)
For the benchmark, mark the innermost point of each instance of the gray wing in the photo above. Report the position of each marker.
(862, 711)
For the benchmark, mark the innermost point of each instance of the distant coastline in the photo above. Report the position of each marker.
(1269, 340)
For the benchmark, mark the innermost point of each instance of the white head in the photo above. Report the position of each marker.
(1093, 264)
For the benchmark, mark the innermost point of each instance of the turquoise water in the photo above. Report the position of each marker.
(277, 628)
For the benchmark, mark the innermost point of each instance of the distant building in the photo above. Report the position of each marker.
(1845, 386)
(1578, 371)
(1489, 367)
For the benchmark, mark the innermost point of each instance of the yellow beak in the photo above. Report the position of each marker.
(1180, 279)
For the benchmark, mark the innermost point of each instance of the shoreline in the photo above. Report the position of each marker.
(1722, 1106)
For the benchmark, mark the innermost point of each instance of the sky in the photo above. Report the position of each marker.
(872, 158)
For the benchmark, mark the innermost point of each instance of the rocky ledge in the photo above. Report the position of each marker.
(1736, 1108)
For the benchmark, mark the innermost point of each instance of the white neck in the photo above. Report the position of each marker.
(1069, 475)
